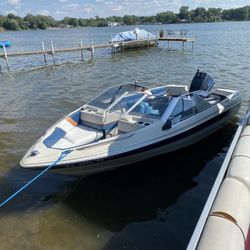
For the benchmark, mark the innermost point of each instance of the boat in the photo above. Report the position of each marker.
(136, 34)
(225, 218)
(130, 123)
(5, 43)
(133, 39)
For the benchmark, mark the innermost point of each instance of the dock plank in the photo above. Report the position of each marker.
(177, 39)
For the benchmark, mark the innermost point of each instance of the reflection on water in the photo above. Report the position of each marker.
(142, 206)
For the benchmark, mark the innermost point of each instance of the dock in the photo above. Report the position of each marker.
(183, 40)
(226, 212)
(114, 46)
(177, 39)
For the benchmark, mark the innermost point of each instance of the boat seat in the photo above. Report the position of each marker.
(79, 135)
(98, 119)
(61, 129)
(213, 101)
(143, 108)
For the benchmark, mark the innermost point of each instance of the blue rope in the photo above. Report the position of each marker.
(63, 154)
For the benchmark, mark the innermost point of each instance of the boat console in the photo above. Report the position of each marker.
(133, 122)
(98, 118)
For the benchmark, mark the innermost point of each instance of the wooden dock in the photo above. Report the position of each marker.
(50, 52)
(115, 47)
(80, 48)
(183, 40)
(177, 39)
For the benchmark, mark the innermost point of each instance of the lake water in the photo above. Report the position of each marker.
(134, 207)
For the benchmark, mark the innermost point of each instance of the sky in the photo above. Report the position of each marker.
(59, 9)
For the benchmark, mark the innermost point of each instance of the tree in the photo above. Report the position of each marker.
(214, 14)
(10, 24)
(31, 21)
(51, 22)
(11, 16)
(82, 22)
(248, 11)
(42, 26)
(129, 20)
(184, 13)
(73, 22)
(166, 17)
(200, 15)
(65, 20)
(2, 20)
(13, 22)
(226, 15)
(100, 22)
(147, 19)
(239, 14)
(21, 23)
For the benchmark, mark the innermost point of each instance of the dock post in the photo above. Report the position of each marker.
(123, 45)
(92, 50)
(81, 50)
(112, 48)
(182, 45)
(193, 39)
(44, 54)
(53, 52)
(6, 58)
(112, 45)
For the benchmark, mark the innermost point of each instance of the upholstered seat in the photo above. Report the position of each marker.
(79, 135)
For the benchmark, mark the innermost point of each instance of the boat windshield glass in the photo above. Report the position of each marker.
(184, 108)
(113, 95)
(153, 106)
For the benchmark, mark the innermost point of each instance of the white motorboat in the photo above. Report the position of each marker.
(123, 125)
(133, 39)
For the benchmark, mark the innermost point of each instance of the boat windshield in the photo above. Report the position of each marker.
(190, 104)
(145, 105)
(110, 97)
(154, 106)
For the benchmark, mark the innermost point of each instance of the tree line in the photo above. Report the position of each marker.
(200, 14)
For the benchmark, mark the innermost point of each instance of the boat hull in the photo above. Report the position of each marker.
(133, 45)
(168, 145)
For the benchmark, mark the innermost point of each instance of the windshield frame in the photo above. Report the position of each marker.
(110, 97)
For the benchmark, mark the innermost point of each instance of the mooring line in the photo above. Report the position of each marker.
(63, 154)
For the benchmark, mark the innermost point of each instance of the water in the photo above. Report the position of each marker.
(134, 207)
